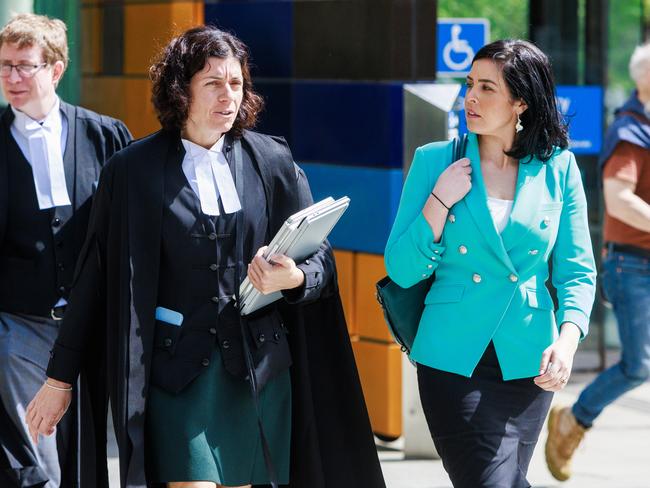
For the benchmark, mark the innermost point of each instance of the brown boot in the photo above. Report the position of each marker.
(564, 436)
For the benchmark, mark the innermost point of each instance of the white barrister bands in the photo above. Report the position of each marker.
(209, 176)
(43, 143)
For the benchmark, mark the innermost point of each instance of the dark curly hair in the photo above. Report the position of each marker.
(185, 56)
(527, 72)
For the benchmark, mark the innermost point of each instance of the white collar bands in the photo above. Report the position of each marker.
(209, 176)
(42, 142)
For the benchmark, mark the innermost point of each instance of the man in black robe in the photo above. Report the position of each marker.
(51, 154)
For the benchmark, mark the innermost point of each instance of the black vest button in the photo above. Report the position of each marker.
(225, 344)
(205, 362)
(61, 289)
(61, 266)
(212, 237)
(56, 222)
(213, 331)
(215, 299)
(276, 336)
(214, 267)
(261, 338)
(167, 342)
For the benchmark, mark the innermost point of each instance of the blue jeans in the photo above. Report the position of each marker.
(626, 283)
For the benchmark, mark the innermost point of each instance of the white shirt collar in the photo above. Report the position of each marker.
(197, 151)
(24, 123)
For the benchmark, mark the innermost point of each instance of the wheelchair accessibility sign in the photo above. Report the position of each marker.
(458, 40)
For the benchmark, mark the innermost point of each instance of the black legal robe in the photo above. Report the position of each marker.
(39, 248)
(114, 296)
(92, 139)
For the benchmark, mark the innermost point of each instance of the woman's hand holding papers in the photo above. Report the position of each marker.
(279, 273)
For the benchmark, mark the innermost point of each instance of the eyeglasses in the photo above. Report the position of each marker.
(23, 70)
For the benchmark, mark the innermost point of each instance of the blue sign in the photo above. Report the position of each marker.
(458, 40)
(581, 106)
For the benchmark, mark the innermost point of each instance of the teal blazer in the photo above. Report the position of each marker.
(490, 286)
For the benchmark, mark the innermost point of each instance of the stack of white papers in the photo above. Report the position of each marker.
(300, 236)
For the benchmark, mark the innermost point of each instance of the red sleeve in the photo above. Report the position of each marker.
(625, 163)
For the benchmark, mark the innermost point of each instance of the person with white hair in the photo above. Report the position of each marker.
(625, 171)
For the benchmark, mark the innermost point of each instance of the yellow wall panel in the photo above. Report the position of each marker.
(380, 369)
(127, 99)
(91, 40)
(345, 269)
(369, 319)
(149, 27)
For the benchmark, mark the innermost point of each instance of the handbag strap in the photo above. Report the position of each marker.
(459, 146)
(243, 326)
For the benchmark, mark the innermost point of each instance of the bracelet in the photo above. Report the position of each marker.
(441, 202)
(57, 388)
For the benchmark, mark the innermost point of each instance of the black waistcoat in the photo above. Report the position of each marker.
(37, 256)
(197, 278)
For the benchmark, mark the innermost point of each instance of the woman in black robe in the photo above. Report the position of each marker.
(198, 395)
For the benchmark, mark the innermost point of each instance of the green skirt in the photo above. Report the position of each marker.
(208, 432)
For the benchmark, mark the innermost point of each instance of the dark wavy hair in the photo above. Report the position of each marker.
(185, 56)
(527, 72)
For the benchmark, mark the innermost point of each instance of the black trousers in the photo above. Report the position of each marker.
(485, 429)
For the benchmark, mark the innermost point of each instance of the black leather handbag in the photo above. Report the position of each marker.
(403, 307)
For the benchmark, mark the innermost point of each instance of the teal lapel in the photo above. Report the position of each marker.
(476, 202)
(531, 182)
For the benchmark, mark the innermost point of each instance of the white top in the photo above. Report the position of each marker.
(209, 175)
(500, 211)
(42, 142)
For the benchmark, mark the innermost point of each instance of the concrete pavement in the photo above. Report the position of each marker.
(616, 453)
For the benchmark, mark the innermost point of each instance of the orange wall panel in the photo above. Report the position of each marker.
(104, 94)
(140, 116)
(345, 270)
(380, 369)
(149, 27)
(128, 99)
(369, 319)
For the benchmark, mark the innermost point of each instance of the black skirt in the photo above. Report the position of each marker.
(485, 429)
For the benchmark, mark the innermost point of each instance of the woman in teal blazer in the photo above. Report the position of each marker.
(491, 346)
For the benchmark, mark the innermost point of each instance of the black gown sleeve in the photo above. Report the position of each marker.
(319, 268)
(84, 313)
(122, 135)
(116, 137)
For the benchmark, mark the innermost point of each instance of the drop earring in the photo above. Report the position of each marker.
(518, 127)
